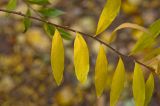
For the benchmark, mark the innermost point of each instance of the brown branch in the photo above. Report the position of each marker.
(88, 35)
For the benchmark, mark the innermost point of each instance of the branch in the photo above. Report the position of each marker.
(88, 35)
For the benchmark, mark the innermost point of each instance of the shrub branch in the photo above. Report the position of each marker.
(88, 35)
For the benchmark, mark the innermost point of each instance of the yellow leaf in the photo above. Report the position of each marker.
(128, 25)
(138, 86)
(81, 58)
(101, 69)
(108, 14)
(57, 57)
(146, 40)
(117, 83)
(149, 89)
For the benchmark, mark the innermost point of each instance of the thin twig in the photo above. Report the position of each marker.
(35, 11)
(88, 35)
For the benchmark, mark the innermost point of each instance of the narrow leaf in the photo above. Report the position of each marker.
(110, 11)
(27, 21)
(128, 25)
(147, 40)
(138, 86)
(65, 34)
(39, 2)
(57, 57)
(101, 69)
(149, 89)
(117, 83)
(51, 12)
(11, 4)
(81, 58)
(50, 29)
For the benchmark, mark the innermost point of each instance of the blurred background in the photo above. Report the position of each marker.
(25, 71)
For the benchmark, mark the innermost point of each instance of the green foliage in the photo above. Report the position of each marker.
(11, 4)
(65, 34)
(50, 29)
(39, 2)
(147, 40)
(51, 12)
(27, 21)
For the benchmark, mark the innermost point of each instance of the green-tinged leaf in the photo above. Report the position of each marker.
(27, 21)
(138, 86)
(40, 2)
(147, 40)
(128, 25)
(51, 12)
(11, 4)
(65, 34)
(110, 11)
(149, 89)
(57, 57)
(152, 54)
(101, 69)
(81, 58)
(49, 29)
(117, 83)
